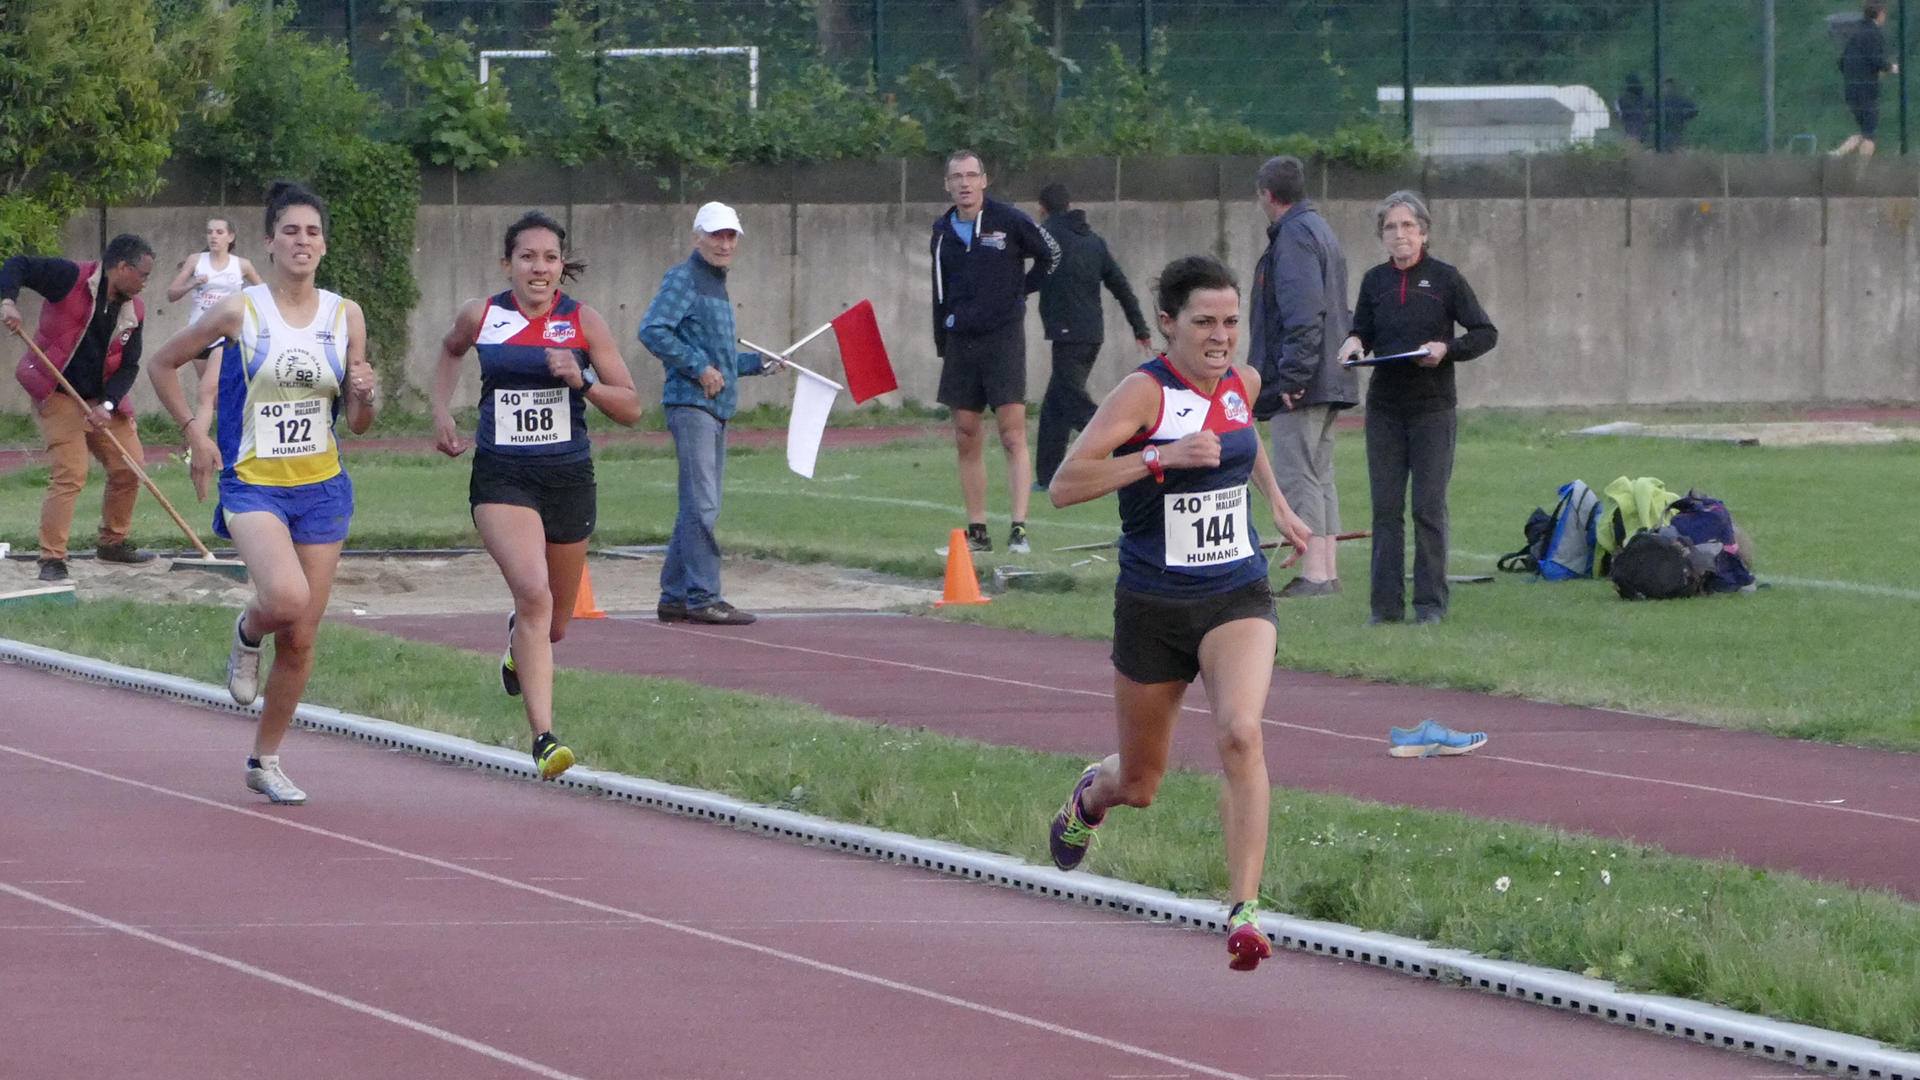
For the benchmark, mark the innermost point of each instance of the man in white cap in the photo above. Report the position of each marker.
(689, 326)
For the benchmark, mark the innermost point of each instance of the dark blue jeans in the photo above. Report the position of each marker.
(691, 575)
(1403, 446)
(1066, 408)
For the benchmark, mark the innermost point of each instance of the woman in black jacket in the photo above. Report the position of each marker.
(1411, 303)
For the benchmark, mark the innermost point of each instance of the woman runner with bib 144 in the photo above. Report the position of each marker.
(543, 357)
(294, 353)
(1177, 441)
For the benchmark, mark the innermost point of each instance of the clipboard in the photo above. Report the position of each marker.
(1376, 361)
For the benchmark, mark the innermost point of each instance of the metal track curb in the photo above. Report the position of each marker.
(1794, 1044)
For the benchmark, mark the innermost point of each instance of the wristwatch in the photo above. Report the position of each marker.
(1150, 457)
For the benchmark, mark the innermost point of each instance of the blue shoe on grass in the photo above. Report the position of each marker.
(1432, 738)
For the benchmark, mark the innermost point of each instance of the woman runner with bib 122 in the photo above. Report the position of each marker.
(1177, 441)
(294, 353)
(543, 357)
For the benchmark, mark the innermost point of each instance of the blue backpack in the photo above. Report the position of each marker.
(1559, 545)
(1704, 522)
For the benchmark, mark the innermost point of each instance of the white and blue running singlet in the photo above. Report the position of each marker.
(524, 411)
(280, 393)
(1193, 535)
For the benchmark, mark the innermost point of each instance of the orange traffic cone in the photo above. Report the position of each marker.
(583, 603)
(963, 586)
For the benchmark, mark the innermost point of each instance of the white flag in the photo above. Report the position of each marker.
(813, 397)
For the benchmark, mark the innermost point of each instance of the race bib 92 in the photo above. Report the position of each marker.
(1207, 528)
(532, 417)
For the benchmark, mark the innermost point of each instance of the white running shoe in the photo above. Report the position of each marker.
(243, 667)
(268, 780)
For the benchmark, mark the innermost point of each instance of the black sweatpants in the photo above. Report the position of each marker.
(1067, 406)
(1401, 446)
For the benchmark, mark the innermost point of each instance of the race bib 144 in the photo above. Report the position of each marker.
(1207, 528)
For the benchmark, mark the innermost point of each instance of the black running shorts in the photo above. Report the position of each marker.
(1156, 639)
(982, 370)
(563, 493)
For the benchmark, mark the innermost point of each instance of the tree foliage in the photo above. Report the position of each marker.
(451, 118)
(94, 91)
(284, 105)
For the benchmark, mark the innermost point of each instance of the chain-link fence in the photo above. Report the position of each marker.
(1487, 77)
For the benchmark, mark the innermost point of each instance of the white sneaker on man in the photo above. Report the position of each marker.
(243, 667)
(268, 780)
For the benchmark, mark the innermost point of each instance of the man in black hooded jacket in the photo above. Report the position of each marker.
(1070, 313)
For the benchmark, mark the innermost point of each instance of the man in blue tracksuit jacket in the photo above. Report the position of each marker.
(979, 250)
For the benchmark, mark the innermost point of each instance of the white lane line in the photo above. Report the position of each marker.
(1860, 587)
(884, 500)
(1105, 695)
(651, 920)
(285, 982)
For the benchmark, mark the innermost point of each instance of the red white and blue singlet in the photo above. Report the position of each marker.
(1193, 535)
(524, 411)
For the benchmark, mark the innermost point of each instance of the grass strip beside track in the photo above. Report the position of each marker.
(1766, 943)
(1814, 660)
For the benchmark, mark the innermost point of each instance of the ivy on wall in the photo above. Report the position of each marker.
(373, 193)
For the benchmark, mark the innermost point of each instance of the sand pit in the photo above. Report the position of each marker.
(425, 585)
(1795, 433)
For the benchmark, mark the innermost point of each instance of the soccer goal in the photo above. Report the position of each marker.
(751, 52)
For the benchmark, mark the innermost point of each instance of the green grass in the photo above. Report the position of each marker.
(1797, 660)
(1765, 943)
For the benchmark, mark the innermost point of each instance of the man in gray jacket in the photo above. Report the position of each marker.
(1300, 317)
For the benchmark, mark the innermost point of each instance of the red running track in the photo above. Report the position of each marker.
(1825, 811)
(425, 920)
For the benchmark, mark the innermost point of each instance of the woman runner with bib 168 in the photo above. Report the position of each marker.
(543, 357)
(294, 353)
(1177, 441)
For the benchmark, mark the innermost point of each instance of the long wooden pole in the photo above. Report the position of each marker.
(131, 463)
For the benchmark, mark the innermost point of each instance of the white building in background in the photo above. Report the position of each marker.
(1494, 121)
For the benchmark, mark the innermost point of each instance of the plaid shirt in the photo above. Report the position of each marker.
(689, 326)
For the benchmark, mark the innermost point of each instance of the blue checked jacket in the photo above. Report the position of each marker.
(689, 326)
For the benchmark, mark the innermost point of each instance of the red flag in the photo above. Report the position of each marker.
(862, 353)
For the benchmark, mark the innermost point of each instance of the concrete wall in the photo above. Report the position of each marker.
(1649, 280)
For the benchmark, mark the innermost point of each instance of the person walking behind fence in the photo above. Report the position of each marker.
(1300, 315)
(1070, 314)
(1412, 301)
(544, 357)
(296, 355)
(689, 326)
(91, 329)
(1862, 62)
(979, 250)
(211, 276)
(1635, 108)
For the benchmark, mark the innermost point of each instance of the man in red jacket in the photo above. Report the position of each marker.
(90, 329)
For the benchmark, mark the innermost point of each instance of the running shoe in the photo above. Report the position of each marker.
(509, 675)
(243, 667)
(1017, 540)
(1431, 738)
(977, 539)
(1071, 833)
(267, 779)
(1246, 943)
(551, 756)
